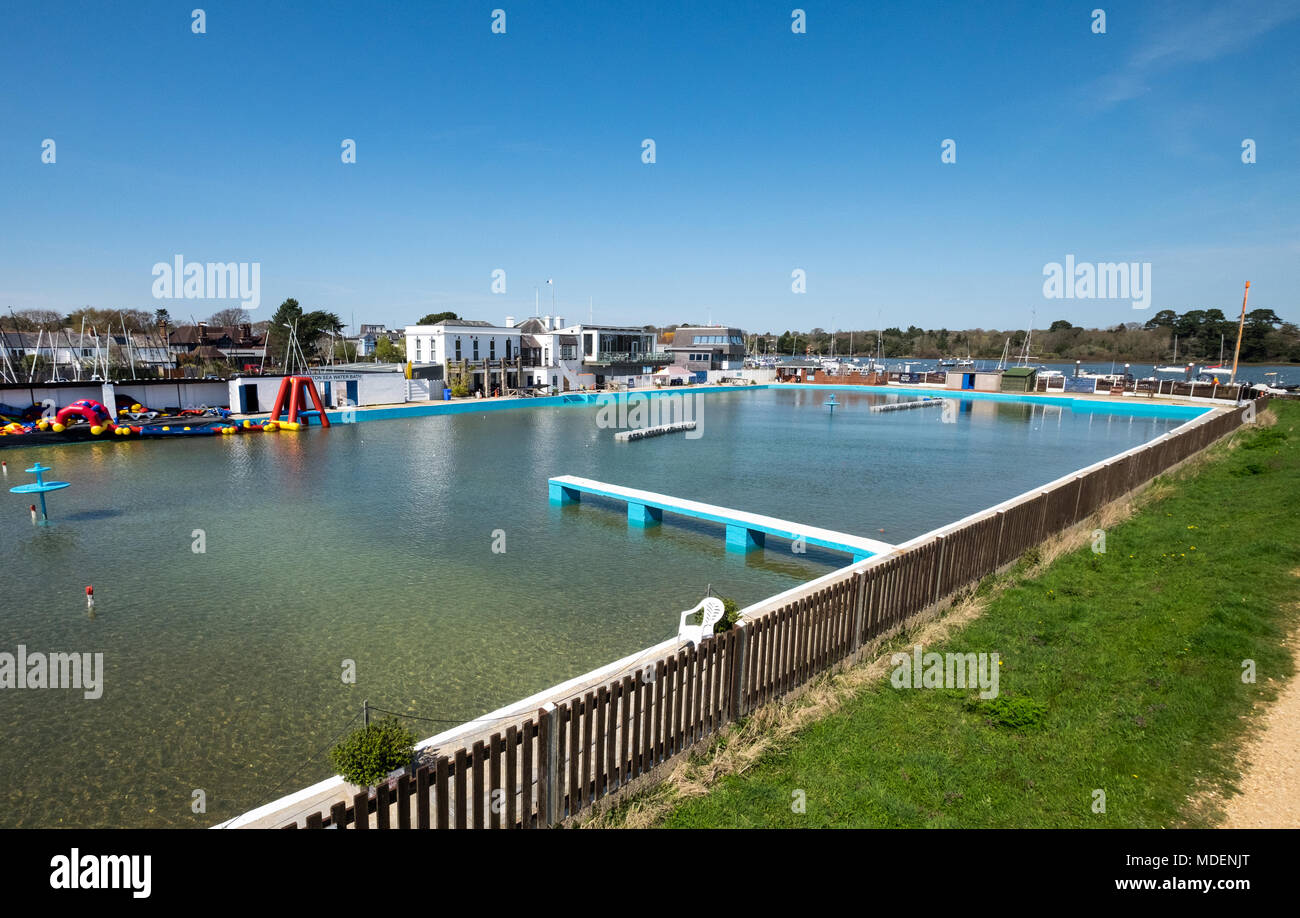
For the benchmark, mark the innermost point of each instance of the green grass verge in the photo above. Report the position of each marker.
(1121, 672)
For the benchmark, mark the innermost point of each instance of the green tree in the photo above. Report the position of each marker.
(312, 328)
(1165, 318)
(277, 335)
(434, 318)
(1255, 336)
(388, 352)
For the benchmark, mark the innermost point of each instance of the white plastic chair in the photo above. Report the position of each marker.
(713, 612)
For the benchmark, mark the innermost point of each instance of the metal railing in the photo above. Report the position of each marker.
(629, 357)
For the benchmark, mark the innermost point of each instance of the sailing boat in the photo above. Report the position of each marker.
(1218, 368)
(1173, 367)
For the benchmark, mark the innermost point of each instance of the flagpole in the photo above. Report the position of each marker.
(1241, 326)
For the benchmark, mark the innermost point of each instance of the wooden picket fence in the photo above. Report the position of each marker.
(583, 750)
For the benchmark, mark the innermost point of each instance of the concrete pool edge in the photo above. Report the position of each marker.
(1161, 409)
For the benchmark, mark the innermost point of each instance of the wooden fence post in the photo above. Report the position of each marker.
(738, 671)
(548, 764)
(859, 615)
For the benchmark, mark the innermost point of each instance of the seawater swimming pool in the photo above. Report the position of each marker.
(373, 543)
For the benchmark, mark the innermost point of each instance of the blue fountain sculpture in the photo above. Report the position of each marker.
(40, 486)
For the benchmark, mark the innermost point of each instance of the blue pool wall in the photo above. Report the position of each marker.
(1080, 405)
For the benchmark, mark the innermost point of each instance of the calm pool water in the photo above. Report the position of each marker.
(374, 543)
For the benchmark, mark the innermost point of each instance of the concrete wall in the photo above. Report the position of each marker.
(158, 394)
(372, 389)
(758, 375)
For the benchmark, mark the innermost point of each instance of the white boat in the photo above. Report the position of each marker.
(1108, 377)
(1173, 368)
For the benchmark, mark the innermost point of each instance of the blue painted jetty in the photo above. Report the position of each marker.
(744, 531)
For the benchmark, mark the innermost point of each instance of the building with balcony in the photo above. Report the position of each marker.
(539, 351)
(708, 347)
(575, 356)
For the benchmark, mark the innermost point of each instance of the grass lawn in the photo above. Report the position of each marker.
(1121, 672)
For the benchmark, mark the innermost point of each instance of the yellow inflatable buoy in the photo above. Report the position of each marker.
(96, 430)
(58, 428)
(166, 428)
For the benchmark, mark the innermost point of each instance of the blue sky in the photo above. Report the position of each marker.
(775, 151)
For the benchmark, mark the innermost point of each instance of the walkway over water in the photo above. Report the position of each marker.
(745, 531)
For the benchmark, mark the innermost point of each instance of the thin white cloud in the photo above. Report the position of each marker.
(1193, 36)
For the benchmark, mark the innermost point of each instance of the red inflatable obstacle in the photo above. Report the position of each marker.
(86, 409)
(297, 389)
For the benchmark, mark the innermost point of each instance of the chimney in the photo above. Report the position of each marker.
(546, 322)
(510, 321)
(559, 322)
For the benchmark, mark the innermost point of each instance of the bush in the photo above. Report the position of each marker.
(730, 616)
(367, 756)
(1016, 713)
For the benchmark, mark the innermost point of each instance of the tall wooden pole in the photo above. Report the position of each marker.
(1241, 326)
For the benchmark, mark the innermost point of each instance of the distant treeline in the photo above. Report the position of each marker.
(1200, 333)
(111, 321)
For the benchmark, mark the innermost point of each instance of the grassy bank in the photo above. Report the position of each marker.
(1120, 672)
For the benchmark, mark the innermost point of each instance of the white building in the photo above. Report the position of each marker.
(578, 355)
(454, 340)
(541, 351)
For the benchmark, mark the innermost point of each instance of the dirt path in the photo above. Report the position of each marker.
(1270, 786)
